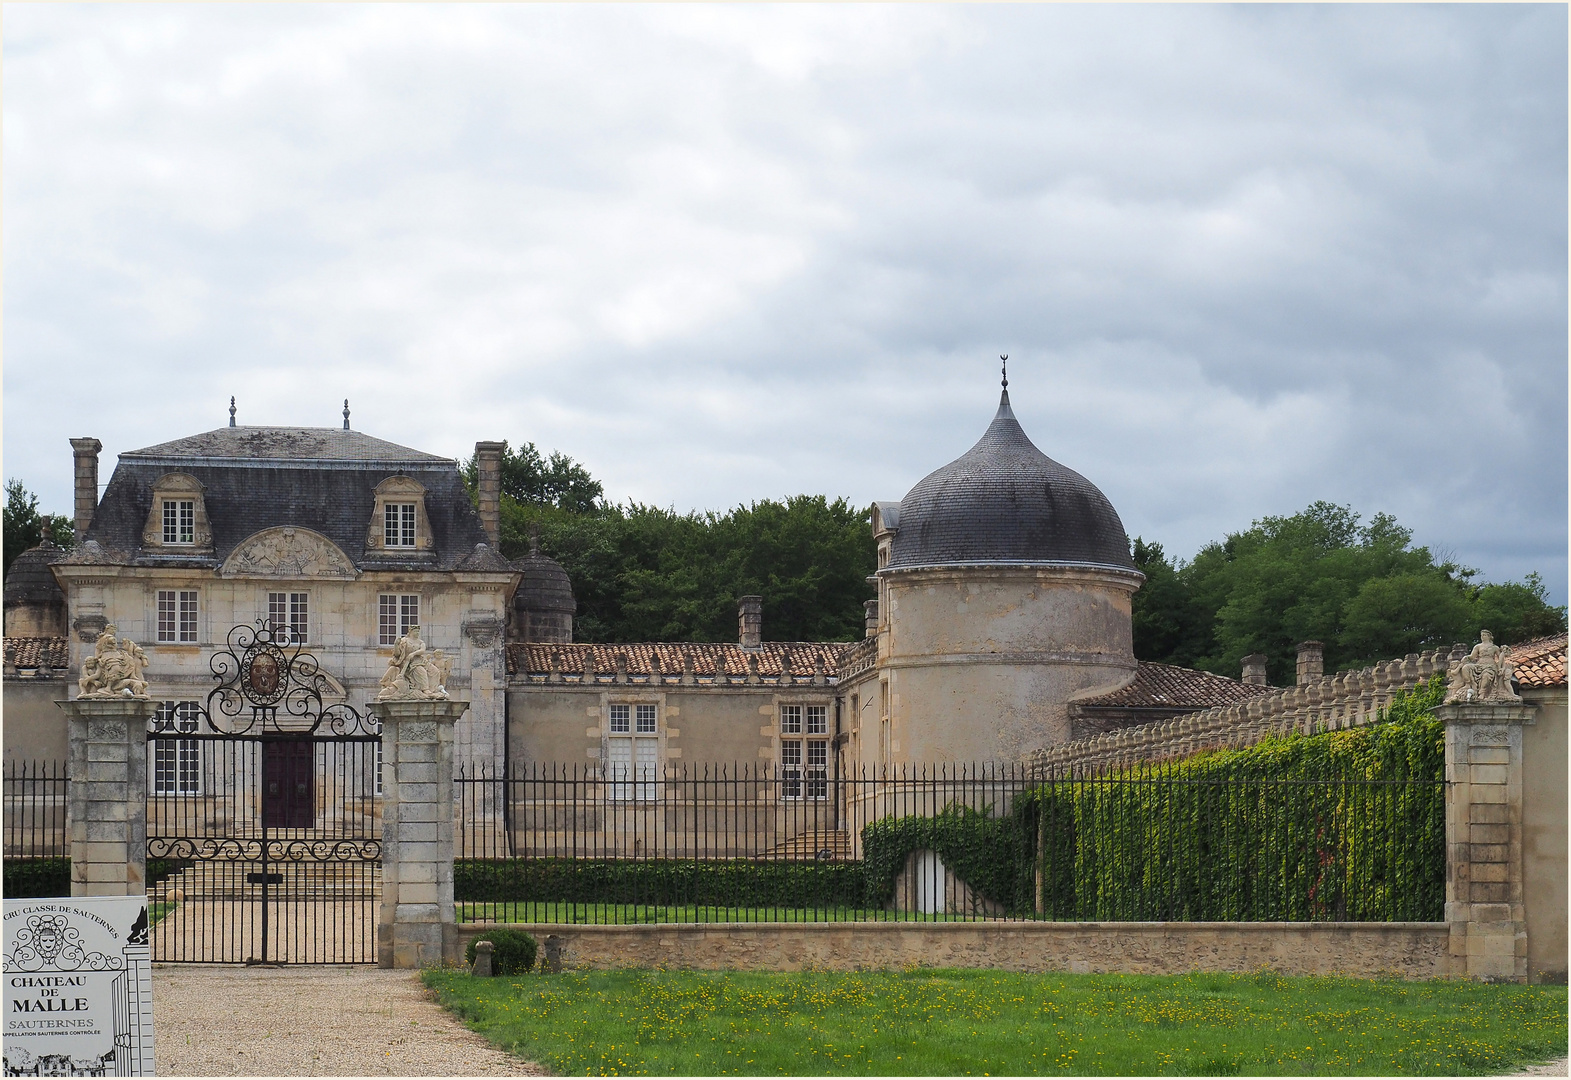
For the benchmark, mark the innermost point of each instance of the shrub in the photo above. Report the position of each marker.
(513, 952)
(37, 877)
(719, 882)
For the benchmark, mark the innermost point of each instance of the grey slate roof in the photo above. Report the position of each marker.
(29, 580)
(544, 587)
(1004, 501)
(317, 478)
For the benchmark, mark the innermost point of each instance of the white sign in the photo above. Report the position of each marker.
(78, 987)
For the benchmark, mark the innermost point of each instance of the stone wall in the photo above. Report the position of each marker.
(1405, 950)
(1544, 855)
(1345, 700)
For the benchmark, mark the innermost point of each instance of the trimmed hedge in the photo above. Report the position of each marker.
(513, 951)
(993, 855)
(719, 883)
(52, 876)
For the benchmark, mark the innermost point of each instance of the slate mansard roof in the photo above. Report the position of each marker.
(256, 478)
(1006, 502)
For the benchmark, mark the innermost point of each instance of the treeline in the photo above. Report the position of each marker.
(641, 573)
(1321, 575)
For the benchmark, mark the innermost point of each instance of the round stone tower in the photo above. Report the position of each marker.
(1005, 582)
(543, 606)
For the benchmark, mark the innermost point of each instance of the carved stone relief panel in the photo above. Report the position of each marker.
(288, 552)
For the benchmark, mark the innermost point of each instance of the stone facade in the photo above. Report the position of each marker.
(108, 795)
(1363, 950)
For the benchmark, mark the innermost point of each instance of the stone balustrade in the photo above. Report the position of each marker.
(1348, 699)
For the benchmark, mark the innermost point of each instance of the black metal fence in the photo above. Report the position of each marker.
(578, 844)
(35, 804)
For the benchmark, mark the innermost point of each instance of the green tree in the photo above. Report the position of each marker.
(24, 525)
(557, 481)
(1321, 575)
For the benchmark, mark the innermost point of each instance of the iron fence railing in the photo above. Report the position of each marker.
(35, 809)
(582, 844)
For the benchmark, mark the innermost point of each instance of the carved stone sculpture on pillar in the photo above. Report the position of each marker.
(1483, 675)
(415, 673)
(114, 669)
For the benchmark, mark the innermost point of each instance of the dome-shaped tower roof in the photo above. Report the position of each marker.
(545, 586)
(30, 581)
(1004, 501)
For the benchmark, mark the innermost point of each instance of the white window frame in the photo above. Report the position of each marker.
(177, 611)
(179, 522)
(289, 614)
(177, 763)
(398, 526)
(396, 613)
(804, 763)
(632, 768)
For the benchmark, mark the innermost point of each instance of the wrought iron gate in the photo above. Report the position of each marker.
(264, 815)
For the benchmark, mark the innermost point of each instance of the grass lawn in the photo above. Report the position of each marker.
(544, 911)
(972, 1022)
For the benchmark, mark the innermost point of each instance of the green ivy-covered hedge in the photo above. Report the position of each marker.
(52, 876)
(993, 855)
(722, 883)
(1282, 830)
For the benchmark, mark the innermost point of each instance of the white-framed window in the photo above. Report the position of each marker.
(177, 763)
(179, 521)
(398, 525)
(396, 613)
(289, 614)
(177, 615)
(804, 760)
(633, 757)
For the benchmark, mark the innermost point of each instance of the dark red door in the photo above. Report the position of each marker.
(288, 784)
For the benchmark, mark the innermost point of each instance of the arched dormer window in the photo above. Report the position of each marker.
(399, 525)
(177, 520)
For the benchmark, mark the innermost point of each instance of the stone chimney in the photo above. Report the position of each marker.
(86, 453)
(1311, 662)
(488, 481)
(750, 622)
(1255, 670)
(870, 617)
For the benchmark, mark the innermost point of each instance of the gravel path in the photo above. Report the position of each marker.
(312, 1021)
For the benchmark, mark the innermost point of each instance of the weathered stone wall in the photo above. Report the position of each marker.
(35, 730)
(1346, 700)
(1544, 811)
(1405, 950)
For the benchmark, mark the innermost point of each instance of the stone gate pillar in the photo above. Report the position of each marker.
(107, 800)
(1484, 871)
(417, 925)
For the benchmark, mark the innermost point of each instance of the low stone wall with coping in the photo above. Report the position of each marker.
(1366, 950)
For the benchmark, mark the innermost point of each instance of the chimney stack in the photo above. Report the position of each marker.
(86, 453)
(1255, 670)
(1311, 662)
(488, 480)
(870, 617)
(750, 621)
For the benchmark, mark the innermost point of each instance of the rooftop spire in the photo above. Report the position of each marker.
(231, 411)
(1004, 411)
(346, 414)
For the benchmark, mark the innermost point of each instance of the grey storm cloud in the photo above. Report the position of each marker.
(1241, 257)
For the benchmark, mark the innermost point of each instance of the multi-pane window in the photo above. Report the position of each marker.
(289, 614)
(395, 615)
(632, 761)
(179, 521)
(177, 615)
(398, 525)
(792, 761)
(177, 763)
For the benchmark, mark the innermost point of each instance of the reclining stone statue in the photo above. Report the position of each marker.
(1483, 676)
(115, 668)
(413, 672)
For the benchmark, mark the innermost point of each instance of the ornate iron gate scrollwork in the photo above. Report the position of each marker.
(264, 819)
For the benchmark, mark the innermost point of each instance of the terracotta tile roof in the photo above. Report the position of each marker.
(1164, 686)
(26, 653)
(534, 660)
(1540, 662)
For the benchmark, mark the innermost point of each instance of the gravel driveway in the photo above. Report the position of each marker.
(224, 1020)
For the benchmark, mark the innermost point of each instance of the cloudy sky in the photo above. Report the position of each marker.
(1241, 258)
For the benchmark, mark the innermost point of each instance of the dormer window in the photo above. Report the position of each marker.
(398, 525)
(179, 521)
(177, 518)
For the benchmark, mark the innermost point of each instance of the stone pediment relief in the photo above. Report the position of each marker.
(288, 552)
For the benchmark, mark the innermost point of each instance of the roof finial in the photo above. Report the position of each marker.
(1005, 359)
(231, 412)
(346, 414)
